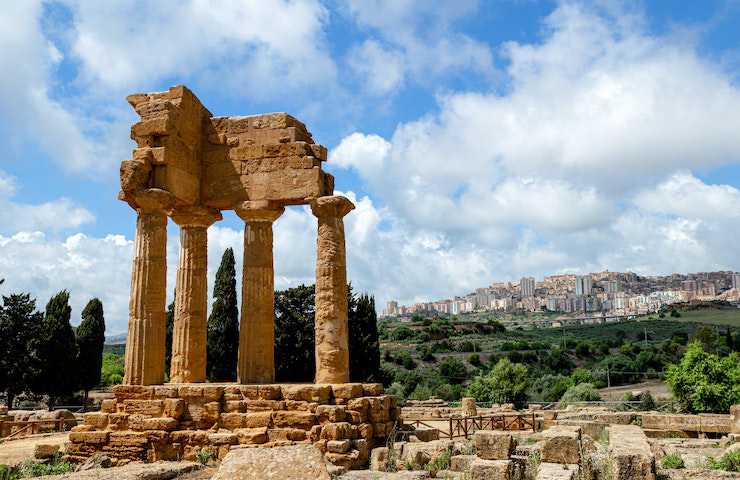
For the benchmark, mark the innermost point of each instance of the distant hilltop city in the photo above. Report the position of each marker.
(604, 292)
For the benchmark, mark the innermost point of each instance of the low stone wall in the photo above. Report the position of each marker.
(687, 423)
(176, 421)
(630, 456)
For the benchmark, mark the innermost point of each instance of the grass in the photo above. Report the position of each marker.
(712, 316)
(204, 456)
(672, 461)
(729, 462)
(31, 469)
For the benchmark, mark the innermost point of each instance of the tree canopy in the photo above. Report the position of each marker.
(20, 325)
(223, 323)
(90, 342)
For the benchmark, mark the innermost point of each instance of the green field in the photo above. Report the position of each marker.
(712, 316)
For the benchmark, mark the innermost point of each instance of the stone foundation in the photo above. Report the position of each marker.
(176, 421)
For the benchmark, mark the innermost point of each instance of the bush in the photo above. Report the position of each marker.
(672, 461)
(506, 383)
(582, 375)
(584, 392)
(453, 370)
(111, 372)
(474, 359)
(729, 462)
(705, 382)
(402, 333)
(396, 389)
(421, 392)
(404, 358)
(550, 388)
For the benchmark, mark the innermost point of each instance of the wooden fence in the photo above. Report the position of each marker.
(466, 426)
(11, 430)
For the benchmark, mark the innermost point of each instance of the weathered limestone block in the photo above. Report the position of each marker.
(346, 391)
(338, 446)
(630, 456)
(132, 392)
(286, 435)
(251, 436)
(331, 413)
(461, 463)
(118, 421)
(261, 392)
(223, 438)
(421, 453)
(336, 431)
(202, 415)
(380, 459)
(165, 391)
(264, 405)
(735, 419)
(43, 451)
(332, 354)
(231, 421)
(189, 330)
(309, 393)
(190, 437)
(173, 407)
(90, 438)
(481, 469)
(557, 471)
(153, 408)
(109, 405)
(297, 462)
(561, 444)
(145, 347)
(300, 405)
(256, 330)
(372, 389)
(494, 445)
(293, 419)
(468, 407)
(99, 420)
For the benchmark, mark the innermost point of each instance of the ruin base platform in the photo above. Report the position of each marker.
(178, 421)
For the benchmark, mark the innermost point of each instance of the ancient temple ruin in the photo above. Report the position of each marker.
(189, 166)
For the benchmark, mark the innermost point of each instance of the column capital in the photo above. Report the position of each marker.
(331, 206)
(259, 211)
(153, 200)
(195, 216)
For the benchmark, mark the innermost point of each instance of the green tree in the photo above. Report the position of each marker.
(294, 334)
(112, 370)
(223, 323)
(705, 382)
(583, 392)
(364, 346)
(57, 351)
(90, 340)
(170, 319)
(506, 383)
(20, 324)
(453, 370)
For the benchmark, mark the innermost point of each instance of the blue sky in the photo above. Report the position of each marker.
(480, 140)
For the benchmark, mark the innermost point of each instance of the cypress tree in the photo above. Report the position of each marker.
(364, 345)
(20, 324)
(223, 323)
(90, 341)
(294, 334)
(168, 337)
(57, 351)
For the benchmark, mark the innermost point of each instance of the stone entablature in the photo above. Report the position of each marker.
(188, 166)
(176, 421)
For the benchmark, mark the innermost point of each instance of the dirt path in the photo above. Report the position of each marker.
(14, 452)
(657, 389)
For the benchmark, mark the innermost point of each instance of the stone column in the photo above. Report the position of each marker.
(145, 345)
(188, 363)
(332, 350)
(256, 362)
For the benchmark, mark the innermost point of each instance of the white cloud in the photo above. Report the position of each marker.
(267, 45)
(415, 39)
(57, 214)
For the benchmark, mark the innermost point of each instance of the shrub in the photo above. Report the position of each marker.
(396, 389)
(474, 359)
(453, 370)
(581, 375)
(203, 456)
(729, 462)
(506, 383)
(421, 392)
(584, 392)
(550, 388)
(705, 382)
(672, 461)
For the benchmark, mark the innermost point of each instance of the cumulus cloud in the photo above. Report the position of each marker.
(58, 214)
(413, 39)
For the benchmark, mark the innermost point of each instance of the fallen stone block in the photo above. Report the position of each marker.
(561, 444)
(43, 451)
(482, 469)
(461, 463)
(630, 457)
(494, 445)
(295, 462)
(557, 471)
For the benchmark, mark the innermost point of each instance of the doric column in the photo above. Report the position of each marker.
(332, 350)
(145, 345)
(256, 327)
(188, 363)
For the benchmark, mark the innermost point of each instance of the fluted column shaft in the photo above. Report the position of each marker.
(332, 340)
(256, 362)
(145, 345)
(188, 364)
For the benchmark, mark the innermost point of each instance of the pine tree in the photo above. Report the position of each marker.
(223, 323)
(57, 351)
(90, 342)
(20, 324)
(168, 337)
(364, 345)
